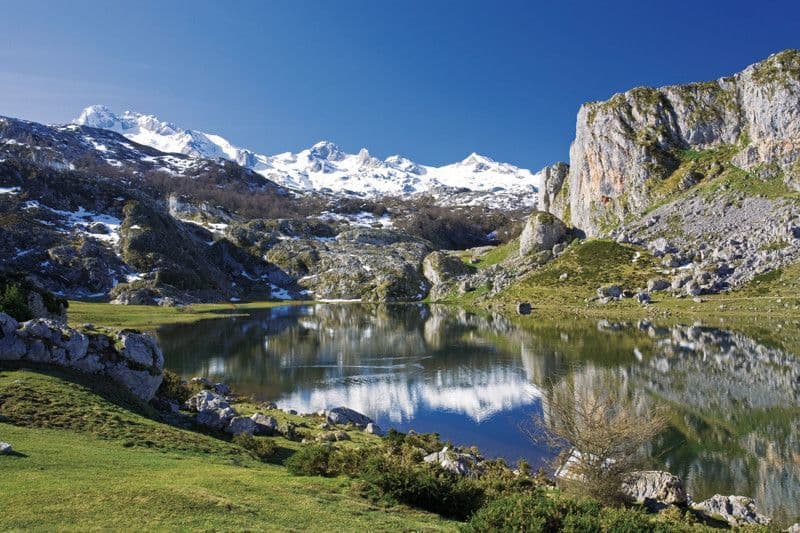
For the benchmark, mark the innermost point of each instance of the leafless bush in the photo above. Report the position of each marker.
(601, 437)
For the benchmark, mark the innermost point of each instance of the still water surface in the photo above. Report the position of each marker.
(733, 402)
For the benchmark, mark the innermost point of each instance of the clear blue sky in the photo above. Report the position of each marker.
(432, 80)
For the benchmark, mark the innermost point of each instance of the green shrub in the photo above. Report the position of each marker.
(537, 511)
(311, 460)
(424, 487)
(261, 447)
(172, 388)
(14, 302)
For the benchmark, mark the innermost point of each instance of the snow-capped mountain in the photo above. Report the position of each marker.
(326, 168)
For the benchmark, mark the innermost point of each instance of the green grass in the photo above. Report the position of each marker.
(495, 256)
(89, 458)
(588, 265)
(148, 317)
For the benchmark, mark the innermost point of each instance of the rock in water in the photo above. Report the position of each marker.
(542, 231)
(654, 486)
(736, 510)
(344, 415)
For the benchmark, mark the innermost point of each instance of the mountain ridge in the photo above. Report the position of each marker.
(324, 167)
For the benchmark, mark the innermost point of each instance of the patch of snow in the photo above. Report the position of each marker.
(279, 292)
(9, 190)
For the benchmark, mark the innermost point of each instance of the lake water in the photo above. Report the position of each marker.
(733, 401)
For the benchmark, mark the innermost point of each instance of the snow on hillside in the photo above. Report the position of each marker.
(325, 168)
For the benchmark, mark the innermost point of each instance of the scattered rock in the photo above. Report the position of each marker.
(222, 388)
(6, 449)
(213, 410)
(643, 298)
(524, 308)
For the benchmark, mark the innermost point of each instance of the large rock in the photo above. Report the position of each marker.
(736, 510)
(6, 449)
(242, 425)
(654, 486)
(213, 410)
(265, 425)
(132, 359)
(626, 145)
(439, 267)
(542, 231)
(344, 415)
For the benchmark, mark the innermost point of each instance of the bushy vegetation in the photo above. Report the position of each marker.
(14, 293)
(14, 302)
(262, 448)
(540, 511)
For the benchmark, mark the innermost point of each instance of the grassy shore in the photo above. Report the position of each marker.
(148, 317)
(89, 458)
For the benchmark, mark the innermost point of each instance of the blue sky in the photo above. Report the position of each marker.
(432, 80)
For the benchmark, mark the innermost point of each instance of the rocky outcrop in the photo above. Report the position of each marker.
(627, 145)
(439, 267)
(654, 486)
(542, 232)
(362, 264)
(554, 195)
(462, 464)
(132, 359)
(736, 510)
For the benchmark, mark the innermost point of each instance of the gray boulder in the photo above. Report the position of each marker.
(213, 410)
(462, 464)
(657, 284)
(654, 486)
(344, 415)
(642, 298)
(736, 510)
(265, 425)
(542, 232)
(6, 449)
(241, 425)
(613, 292)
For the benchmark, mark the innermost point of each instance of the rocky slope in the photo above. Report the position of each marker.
(86, 212)
(627, 149)
(324, 167)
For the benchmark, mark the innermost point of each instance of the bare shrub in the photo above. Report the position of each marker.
(601, 437)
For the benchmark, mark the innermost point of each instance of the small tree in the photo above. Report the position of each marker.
(601, 438)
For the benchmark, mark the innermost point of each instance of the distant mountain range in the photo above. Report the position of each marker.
(325, 168)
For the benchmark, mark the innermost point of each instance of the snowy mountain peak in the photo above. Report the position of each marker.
(325, 167)
(326, 150)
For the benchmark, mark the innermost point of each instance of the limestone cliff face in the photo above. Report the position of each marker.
(625, 145)
(553, 195)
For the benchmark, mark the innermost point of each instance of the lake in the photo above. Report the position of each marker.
(733, 401)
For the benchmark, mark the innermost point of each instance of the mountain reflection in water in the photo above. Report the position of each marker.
(733, 403)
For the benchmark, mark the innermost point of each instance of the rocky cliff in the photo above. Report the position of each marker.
(628, 149)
